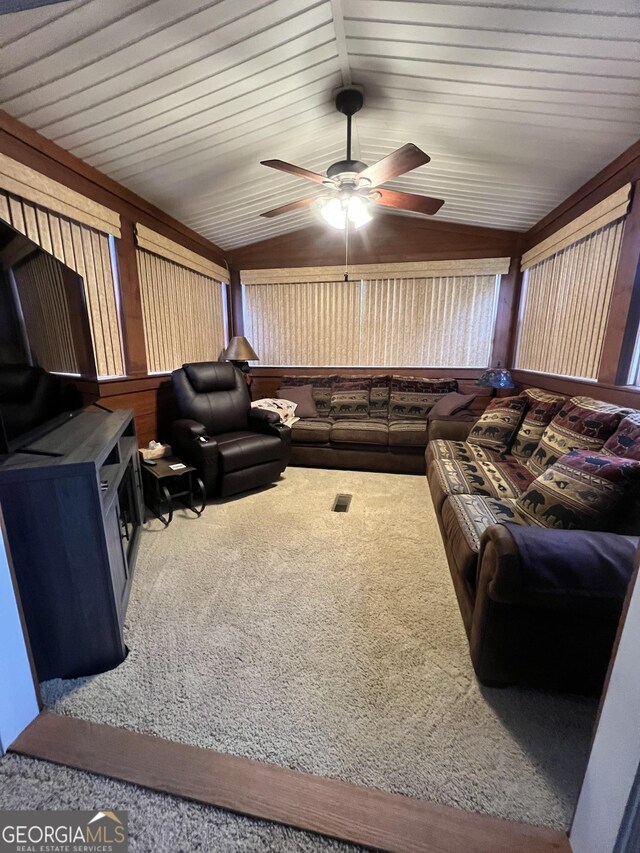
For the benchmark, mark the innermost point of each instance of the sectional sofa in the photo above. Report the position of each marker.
(373, 422)
(539, 513)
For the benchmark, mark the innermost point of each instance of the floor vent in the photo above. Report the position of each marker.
(341, 503)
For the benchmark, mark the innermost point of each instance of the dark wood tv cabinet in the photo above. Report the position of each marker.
(72, 504)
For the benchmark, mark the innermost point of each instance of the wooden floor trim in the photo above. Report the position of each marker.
(327, 806)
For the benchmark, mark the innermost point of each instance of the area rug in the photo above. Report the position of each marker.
(276, 629)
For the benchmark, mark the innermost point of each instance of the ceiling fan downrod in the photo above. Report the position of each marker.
(348, 102)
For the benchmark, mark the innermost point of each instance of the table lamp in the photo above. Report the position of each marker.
(240, 353)
(496, 377)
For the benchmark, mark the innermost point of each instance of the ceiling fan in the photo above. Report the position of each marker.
(350, 187)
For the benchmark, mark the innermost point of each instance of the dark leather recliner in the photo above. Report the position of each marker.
(234, 447)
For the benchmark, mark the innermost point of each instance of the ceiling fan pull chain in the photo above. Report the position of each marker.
(346, 249)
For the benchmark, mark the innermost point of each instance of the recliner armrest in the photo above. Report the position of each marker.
(190, 440)
(189, 428)
(264, 415)
(269, 423)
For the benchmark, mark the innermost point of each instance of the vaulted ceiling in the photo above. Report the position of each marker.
(518, 103)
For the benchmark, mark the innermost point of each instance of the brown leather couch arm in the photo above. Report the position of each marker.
(589, 574)
(540, 630)
(454, 428)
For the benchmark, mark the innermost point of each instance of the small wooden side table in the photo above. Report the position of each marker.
(164, 484)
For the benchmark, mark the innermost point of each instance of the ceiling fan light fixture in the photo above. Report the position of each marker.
(334, 214)
(337, 211)
(358, 211)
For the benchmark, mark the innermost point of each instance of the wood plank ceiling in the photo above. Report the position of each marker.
(518, 103)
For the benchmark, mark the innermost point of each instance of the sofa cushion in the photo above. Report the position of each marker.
(311, 431)
(626, 439)
(360, 432)
(408, 433)
(350, 398)
(583, 424)
(487, 474)
(240, 450)
(499, 423)
(582, 490)
(321, 389)
(379, 397)
(542, 407)
(302, 396)
(413, 397)
(450, 404)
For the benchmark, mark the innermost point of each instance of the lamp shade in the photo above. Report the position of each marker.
(239, 349)
(496, 377)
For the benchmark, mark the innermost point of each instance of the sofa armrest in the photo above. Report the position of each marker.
(550, 623)
(558, 569)
(453, 428)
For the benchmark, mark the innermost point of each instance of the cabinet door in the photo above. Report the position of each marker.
(117, 559)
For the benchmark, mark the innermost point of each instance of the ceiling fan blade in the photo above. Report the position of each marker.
(294, 170)
(408, 201)
(397, 163)
(293, 205)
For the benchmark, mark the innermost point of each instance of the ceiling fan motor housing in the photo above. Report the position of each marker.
(342, 166)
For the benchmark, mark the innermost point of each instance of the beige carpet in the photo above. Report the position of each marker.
(158, 823)
(275, 629)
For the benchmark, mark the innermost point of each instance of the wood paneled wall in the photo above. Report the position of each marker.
(388, 239)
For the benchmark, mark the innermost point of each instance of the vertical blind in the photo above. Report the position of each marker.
(442, 321)
(566, 304)
(45, 308)
(445, 321)
(304, 323)
(86, 251)
(183, 313)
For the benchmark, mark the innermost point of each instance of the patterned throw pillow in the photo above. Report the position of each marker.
(581, 490)
(542, 407)
(379, 397)
(498, 424)
(626, 439)
(350, 398)
(583, 424)
(412, 398)
(321, 390)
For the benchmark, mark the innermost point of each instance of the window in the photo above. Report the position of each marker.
(183, 313)
(387, 321)
(565, 304)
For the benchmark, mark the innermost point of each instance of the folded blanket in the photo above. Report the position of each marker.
(575, 562)
(284, 408)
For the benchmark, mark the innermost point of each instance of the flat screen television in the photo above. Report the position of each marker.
(32, 403)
